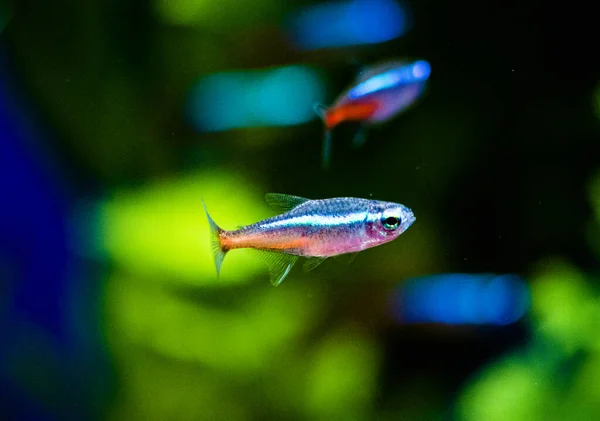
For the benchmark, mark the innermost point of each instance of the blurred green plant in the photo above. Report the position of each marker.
(342, 385)
(188, 358)
(216, 16)
(565, 306)
(535, 383)
(238, 338)
(163, 229)
(511, 389)
(557, 376)
(6, 13)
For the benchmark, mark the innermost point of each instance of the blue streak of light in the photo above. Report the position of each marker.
(411, 73)
(276, 97)
(354, 22)
(459, 299)
(39, 291)
(468, 292)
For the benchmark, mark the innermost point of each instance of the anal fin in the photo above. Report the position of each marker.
(280, 265)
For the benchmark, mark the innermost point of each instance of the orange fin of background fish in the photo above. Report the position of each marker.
(284, 202)
(217, 249)
(312, 262)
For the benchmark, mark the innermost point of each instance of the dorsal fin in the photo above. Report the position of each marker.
(284, 202)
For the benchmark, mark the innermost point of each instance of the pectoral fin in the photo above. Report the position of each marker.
(312, 262)
(347, 258)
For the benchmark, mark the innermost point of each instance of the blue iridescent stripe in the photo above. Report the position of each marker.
(416, 72)
(320, 220)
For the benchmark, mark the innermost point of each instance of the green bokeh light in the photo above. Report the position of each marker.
(216, 15)
(162, 228)
(342, 376)
(509, 390)
(237, 339)
(564, 304)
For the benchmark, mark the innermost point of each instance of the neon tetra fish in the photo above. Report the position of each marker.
(316, 229)
(379, 93)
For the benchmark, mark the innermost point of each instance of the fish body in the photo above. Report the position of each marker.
(316, 229)
(378, 94)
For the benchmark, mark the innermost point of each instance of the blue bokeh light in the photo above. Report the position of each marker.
(462, 299)
(354, 22)
(276, 97)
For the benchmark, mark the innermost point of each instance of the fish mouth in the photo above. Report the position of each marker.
(410, 220)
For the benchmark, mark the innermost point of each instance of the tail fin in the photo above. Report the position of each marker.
(321, 111)
(217, 249)
(326, 149)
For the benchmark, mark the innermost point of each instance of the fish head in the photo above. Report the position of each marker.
(387, 220)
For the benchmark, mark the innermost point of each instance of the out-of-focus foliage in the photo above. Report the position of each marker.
(511, 389)
(216, 16)
(6, 12)
(206, 356)
(556, 376)
(163, 229)
(341, 381)
(566, 306)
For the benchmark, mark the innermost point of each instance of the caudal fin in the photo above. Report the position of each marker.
(215, 241)
(326, 157)
(321, 111)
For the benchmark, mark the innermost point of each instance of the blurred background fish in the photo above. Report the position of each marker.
(379, 93)
(117, 117)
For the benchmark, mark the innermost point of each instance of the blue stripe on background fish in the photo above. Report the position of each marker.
(379, 93)
(316, 229)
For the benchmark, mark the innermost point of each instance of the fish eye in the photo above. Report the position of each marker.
(390, 223)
